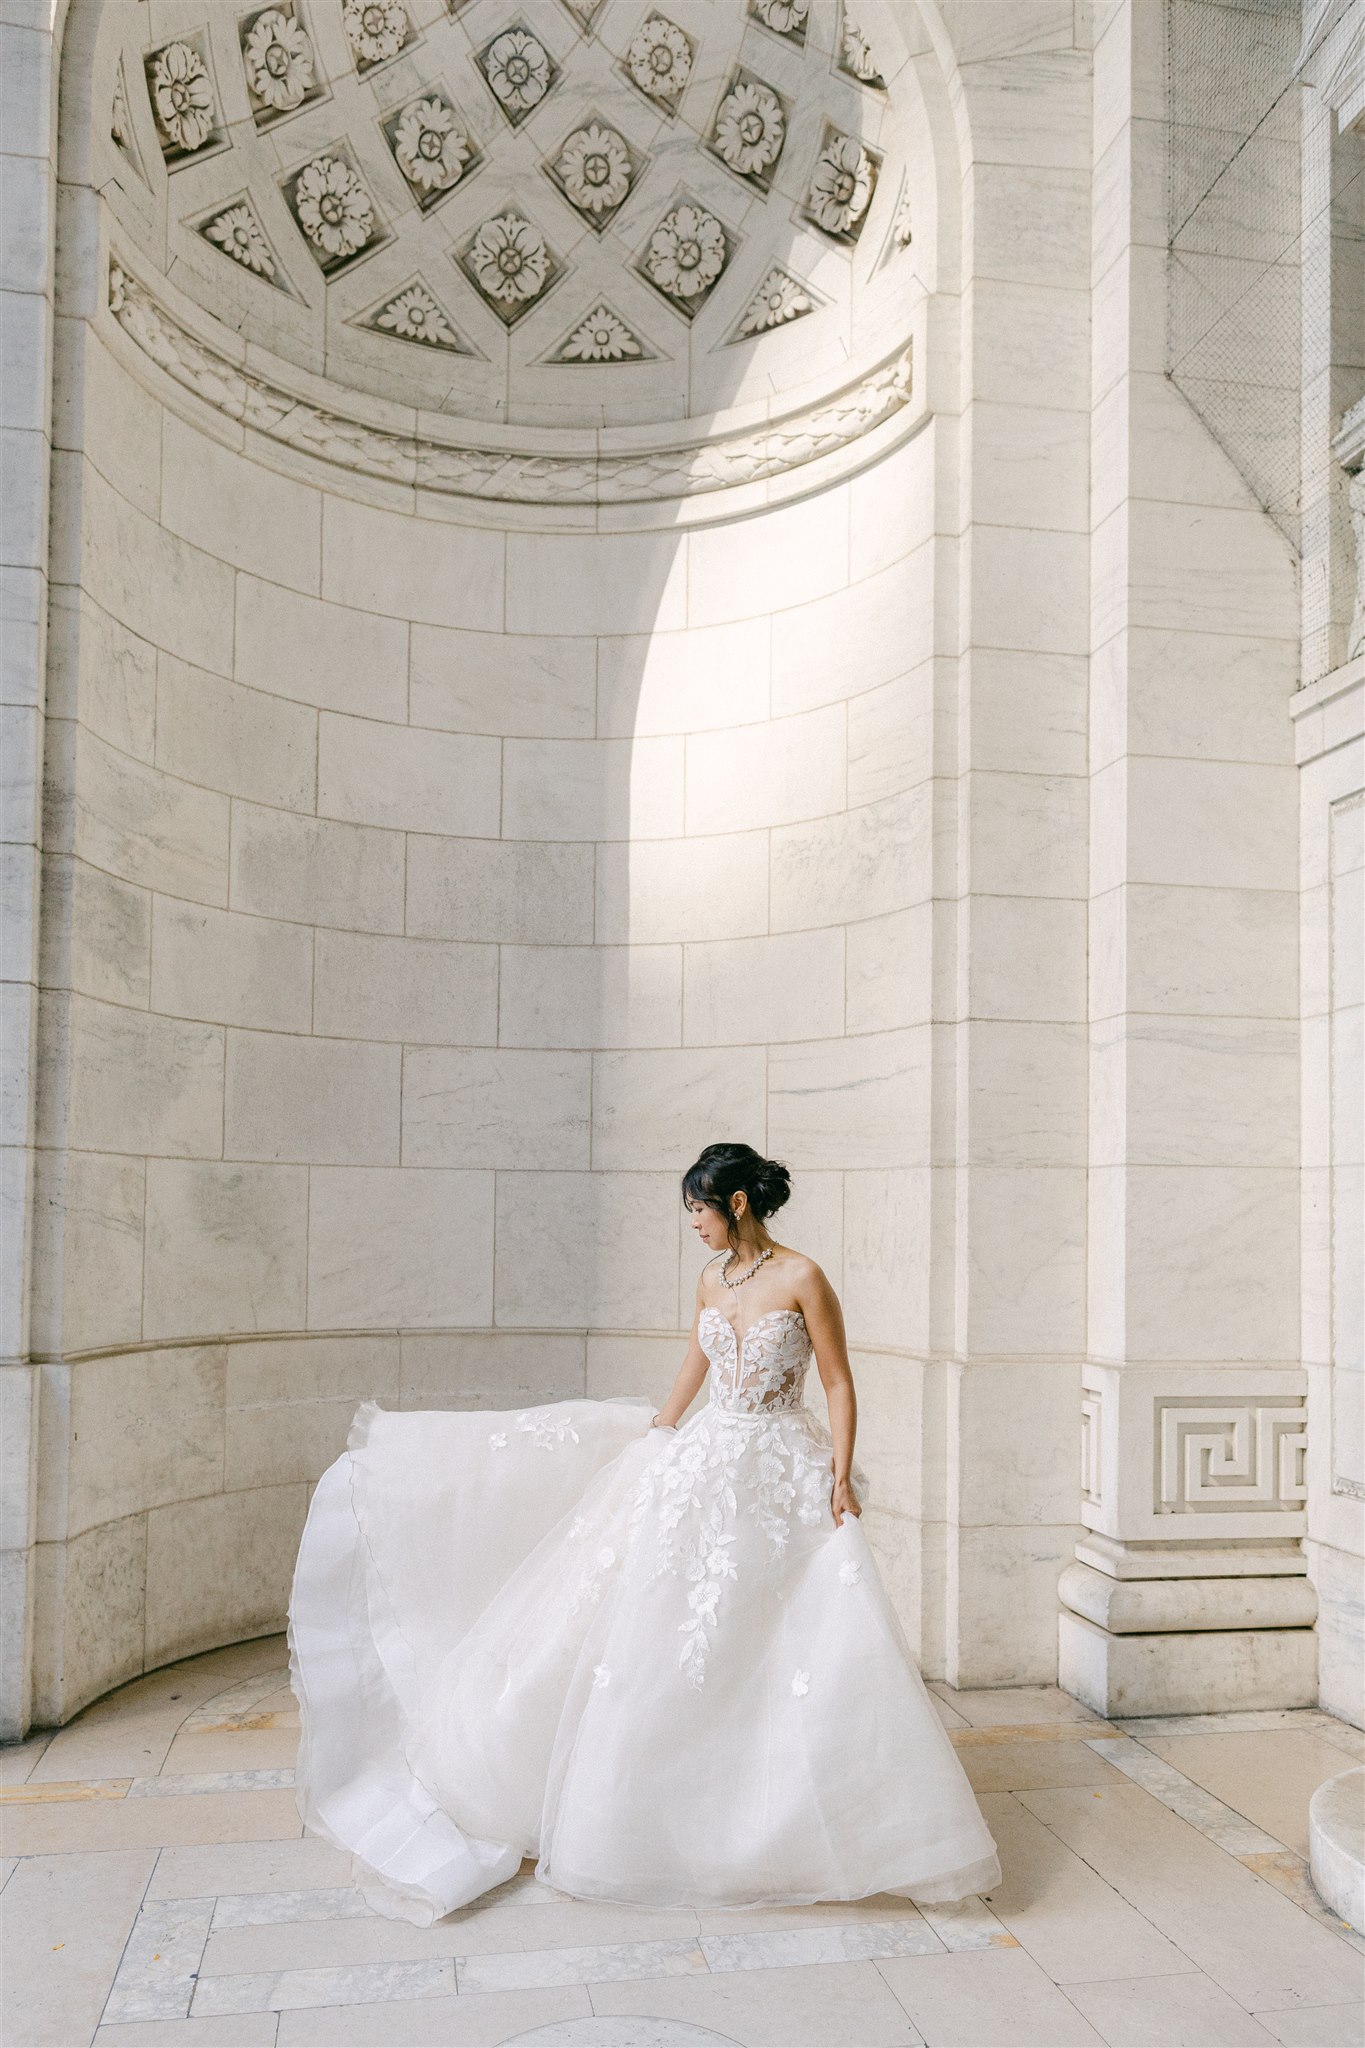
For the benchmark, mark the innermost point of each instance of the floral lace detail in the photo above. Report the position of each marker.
(764, 1370)
(546, 1428)
(694, 1488)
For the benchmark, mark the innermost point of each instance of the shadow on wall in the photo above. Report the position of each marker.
(420, 893)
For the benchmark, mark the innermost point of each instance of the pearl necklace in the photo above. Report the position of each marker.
(747, 1275)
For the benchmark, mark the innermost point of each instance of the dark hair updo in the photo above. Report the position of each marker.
(723, 1171)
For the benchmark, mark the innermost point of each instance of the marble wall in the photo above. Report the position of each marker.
(420, 895)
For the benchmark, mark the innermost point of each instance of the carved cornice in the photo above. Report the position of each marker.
(460, 468)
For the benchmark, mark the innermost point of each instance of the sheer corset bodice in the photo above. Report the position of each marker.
(762, 1371)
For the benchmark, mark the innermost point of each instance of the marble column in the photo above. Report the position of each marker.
(1188, 1586)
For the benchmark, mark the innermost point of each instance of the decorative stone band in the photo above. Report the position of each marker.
(528, 477)
(1225, 1457)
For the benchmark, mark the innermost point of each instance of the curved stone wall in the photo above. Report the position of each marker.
(420, 895)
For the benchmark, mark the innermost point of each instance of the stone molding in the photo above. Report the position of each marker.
(1179, 1453)
(503, 473)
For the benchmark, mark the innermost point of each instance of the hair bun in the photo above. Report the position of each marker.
(772, 1186)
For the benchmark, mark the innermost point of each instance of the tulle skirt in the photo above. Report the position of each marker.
(648, 1658)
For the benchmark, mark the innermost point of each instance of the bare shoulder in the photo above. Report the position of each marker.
(709, 1279)
(806, 1277)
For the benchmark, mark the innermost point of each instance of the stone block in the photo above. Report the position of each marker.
(1003, 1596)
(707, 679)
(496, 1108)
(657, 891)
(856, 864)
(145, 1428)
(655, 1110)
(1336, 1834)
(88, 1619)
(1024, 1091)
(412, 568)
(537, 686)
(316, 871)
(106, 675)
(558, 1235)
(87, 1233)
(235, 508)
(399, 1247)
(500, 890)
(1194, 1673)
(837, 646)
(164, 590)
(888, 970)
(757, 991)
(331, 655)
(320, 1101)
(1178, 1606)
(593, 789)
(96, 933)
(855, 1102)
(773, 773)
(149, 827)
(419, 990)
(273, 1371)
(588, 583)
(244, 742)
(219, 1570)
(1026, 835)
(886, 1263)
(891, 737)
(490, 1368)
(406, 778)
(1026, 1259)
(582, 996)
(225, 1247)
(230, 968)
(757, 566)
(143, 1083)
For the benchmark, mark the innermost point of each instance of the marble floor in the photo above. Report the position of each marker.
(158, 1890)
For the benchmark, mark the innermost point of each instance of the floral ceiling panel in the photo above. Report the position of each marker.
(571, 211)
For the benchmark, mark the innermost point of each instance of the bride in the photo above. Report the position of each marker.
(655, 1654)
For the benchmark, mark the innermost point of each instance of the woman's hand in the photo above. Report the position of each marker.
(844, 1501)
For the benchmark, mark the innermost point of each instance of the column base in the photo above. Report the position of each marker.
(1336, 1846)
(1208, 1671)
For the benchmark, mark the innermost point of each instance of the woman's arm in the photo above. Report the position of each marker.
(687, 1385)
(819, 1305)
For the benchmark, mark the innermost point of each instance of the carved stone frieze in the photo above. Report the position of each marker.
(505, 474)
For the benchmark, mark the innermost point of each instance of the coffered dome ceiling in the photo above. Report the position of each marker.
(574, 212)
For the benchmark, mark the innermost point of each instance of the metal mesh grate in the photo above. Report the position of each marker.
(1238, 217)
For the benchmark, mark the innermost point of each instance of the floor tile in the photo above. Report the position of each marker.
(1290, 1874)
(644, 2032)
(287, 1990)
(65, 1792)
(1219, 1823)
(1062, 1912)
(1262, 1950)
(1268, 1777)
(180, 1784)
(233, 1749)
(1030, 1766)
(969, 1923)
(1168, 2012)
(474, 2020)
(838, 2005)
(149, 1823)
(157, 1972)
(833, 1912)
(17, 1759)
(524, 1969)
(789, 1947)
(1015, 1704)
(66, 1922)
(237, 2030)
(1318, 2026)
(261, 1909)
(204, 1870)
(994, 1998)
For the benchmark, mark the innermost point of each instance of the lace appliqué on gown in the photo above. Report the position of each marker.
(736, 1459)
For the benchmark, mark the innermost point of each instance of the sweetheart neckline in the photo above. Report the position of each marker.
(710, 1309)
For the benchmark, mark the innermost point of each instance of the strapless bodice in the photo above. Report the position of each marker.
(762, 1371)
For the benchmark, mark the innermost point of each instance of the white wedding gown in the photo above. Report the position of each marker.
(647, 1657)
